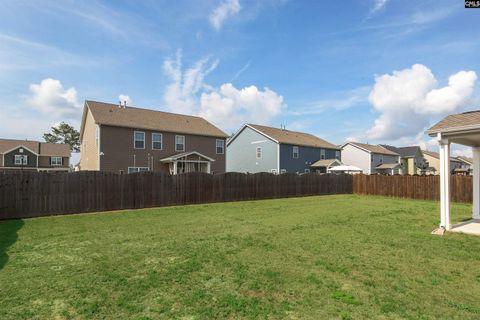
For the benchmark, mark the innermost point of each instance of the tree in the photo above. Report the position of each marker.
(64, 133)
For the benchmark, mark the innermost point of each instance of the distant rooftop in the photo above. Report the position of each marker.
(138, 118)
(374, 148)
(41, 148)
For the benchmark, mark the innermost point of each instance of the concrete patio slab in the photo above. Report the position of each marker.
(468, 227)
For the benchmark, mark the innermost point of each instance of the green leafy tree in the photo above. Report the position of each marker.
(64, 133)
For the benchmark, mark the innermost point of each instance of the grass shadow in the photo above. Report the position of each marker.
(8, 236)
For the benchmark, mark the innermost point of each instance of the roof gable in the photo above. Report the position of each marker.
(138, 118)
(36, 147)
(292, 137)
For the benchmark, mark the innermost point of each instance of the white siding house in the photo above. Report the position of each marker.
(372, 159)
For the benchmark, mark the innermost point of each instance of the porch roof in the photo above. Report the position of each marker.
(324, 163)
(178, 156)
(462, 128)
(388, 166)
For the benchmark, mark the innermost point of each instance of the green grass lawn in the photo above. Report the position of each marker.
(329, 257)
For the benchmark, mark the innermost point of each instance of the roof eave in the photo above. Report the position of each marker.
(453, 130)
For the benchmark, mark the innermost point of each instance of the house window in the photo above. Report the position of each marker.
(21, 160)
(337, 155)
(371, 158)
(157, 141)
(259, 152)
(137, 169)
(307, 170)
(295, 152)
(381, 159)
(220, 146)
(56, 161)
(322, 154)
(179, 143)
(139, 138)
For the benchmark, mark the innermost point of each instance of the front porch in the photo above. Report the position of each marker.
(188, 162)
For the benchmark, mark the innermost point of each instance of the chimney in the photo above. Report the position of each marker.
(119, 103)
(125, 104)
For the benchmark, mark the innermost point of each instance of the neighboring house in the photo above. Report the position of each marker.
(411, 159)
(465, 166)
(124, 139)
(372, 159)
(33, 155)
(433, 159)
(256, 148)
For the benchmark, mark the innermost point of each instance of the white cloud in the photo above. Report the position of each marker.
(181, 95)
(341, 101)
(231, 107)
(226, 106)
(50, 97)
(462, 151)
(376, 7)
(225, 9)
(124, 98)
(407, 100)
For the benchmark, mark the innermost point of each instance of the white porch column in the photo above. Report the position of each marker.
(174, 167)
(444, 183)
(208, 167)
(476, 183)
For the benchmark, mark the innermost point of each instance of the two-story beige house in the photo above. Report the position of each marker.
(411, 159)
(433, 159)
(124, 139)
(33, 155)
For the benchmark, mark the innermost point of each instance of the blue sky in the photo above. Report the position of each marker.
(367, 70)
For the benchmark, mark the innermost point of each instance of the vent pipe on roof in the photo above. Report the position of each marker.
(125, 104)
(119, 103)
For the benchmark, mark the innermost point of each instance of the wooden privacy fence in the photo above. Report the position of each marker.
(413, 187)
(32, 194)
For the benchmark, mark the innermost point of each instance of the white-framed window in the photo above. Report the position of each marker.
(220, 146)
(307, 170)
(137, 169)
(283, 170)
(179, 143)
(295, 152)
(157, 141)
(381, 159)
(337, 155)
(56, 161)
(259, 152)
(322, 154)
(139, 140)
(21, 159)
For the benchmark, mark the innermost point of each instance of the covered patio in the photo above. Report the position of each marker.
(323, 166)
(188, 162)
(464, 129)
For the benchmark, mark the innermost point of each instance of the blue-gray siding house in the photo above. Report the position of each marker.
(256, 148)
